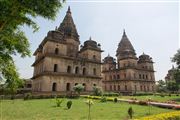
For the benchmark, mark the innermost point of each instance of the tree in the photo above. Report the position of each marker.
(89, 103)
(14, 14)
(176, 58)
(130, 112)
(172, 86)
(161, 86)
(78, 88)
(97, 90)
(177, 76)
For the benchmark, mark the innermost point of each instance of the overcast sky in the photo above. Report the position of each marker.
(152, 28)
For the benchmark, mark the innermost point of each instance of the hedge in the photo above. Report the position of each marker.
(163, 116)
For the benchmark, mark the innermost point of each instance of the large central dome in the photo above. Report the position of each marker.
(125, 48)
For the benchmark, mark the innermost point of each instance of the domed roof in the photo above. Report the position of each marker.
(109, 59)
(67, 27)
(125, 48)
(91, 43)
(145, 58)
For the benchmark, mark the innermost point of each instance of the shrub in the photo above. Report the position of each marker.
(58, 102)
(69, 104)
(115, 100)
(103, 99)
(130, 112)
(110, 94)
(142, 103)
(142, 93)
(97, 91)
(27, 96)
(78, 88)
(163, 116)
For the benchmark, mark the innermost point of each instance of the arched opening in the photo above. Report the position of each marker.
(68, 87)
(56, 51)
(94, 71)
(139, 76)
(114, 87)
(124, 75)
(143, 76)
(119, 88)
(69, 69)
(94, 84)
(54, 87)
(135, 87)
(110, 77)
(141, 88)
(76, 84)
(77, 70)
(118, 77)
(84, 71)
(55, 67)
(144, 88)
(94, 57)
(114, 77)
(84, 86)
(110, 88)
(125, 87)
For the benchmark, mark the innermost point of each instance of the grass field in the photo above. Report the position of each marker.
(156, 98)
(44, 109)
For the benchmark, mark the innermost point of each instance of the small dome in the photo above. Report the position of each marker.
(109, 59)
(90, 43)
(145, 58)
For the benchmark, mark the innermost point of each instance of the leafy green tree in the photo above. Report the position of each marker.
(172, 86)
(177, 76)
(176, 58)
(161, 86)
(97, 90)
(14, 14)
(130, 112)
(78, 88)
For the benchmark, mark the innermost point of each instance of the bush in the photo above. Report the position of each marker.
(97, 91)
(103, 99)
(58, 102)
(111, 94)
(27, 96)
(130, 112)
(78, 88)
(163, 116)
(69, 104)
(142, 93)
(115, 100)
(142, 103)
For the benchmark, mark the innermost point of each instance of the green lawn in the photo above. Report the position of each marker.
(156, 98)
(44, 109)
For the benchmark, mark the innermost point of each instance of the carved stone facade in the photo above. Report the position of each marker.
(128, 74)
(59, 64)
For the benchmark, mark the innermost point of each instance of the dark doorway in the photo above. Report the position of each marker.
(84, 71)
(54, 86)
(56, 51)
(68, 87)
(69, 69)
(84, 86)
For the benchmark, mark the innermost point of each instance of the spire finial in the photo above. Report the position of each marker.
(108, 55)
(90, 38)
(172, 66)
(124, 33)
(69, 9)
